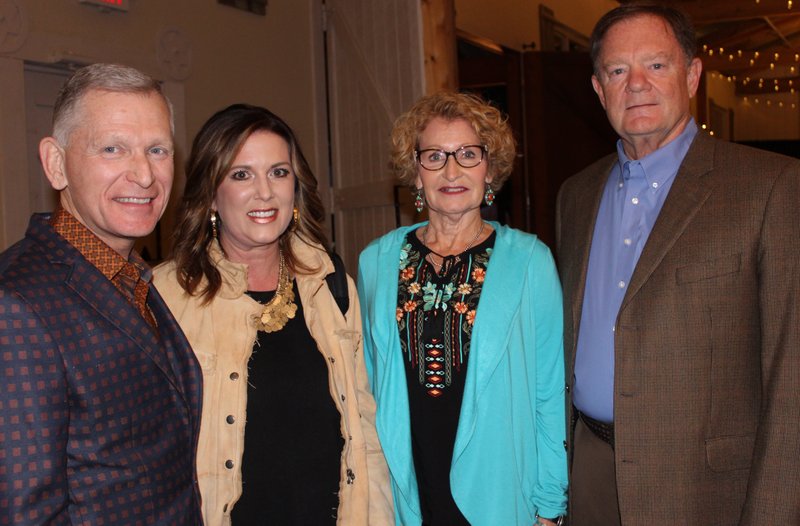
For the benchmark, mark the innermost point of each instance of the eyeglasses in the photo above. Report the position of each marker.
(467, 156)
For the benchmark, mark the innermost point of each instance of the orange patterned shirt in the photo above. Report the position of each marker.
(131, 277)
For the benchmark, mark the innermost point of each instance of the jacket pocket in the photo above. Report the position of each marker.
(730, 453)
(709, 269)
(208, 361)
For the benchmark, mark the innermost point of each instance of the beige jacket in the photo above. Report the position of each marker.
(223, 337)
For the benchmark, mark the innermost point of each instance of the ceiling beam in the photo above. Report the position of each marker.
(707, 11)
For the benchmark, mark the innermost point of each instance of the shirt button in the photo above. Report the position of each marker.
(627, 241)
(635, 200)
(234, 376)
(230, 419)
(621, 284)
(655, 185)
(229, 464)
(621, 185)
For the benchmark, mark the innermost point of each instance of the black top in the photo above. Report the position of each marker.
(435, 311)
(293, 441)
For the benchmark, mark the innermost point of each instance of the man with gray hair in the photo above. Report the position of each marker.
(100, 394)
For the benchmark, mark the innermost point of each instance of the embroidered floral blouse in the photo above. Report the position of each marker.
(435, 314)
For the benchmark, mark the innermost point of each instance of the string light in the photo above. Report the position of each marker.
(778, 84)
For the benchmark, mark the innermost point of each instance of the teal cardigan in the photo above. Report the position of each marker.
(509, 461)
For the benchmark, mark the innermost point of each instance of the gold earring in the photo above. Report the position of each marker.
(213, 219)
(296, 214)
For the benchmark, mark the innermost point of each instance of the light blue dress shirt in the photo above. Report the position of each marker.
(631, 201)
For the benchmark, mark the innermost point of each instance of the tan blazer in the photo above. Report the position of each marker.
(707, 341)
(223, 337)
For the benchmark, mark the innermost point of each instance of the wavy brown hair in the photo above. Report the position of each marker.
(489, 124)
(213, 151)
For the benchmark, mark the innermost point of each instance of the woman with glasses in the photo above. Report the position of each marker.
(463, 334)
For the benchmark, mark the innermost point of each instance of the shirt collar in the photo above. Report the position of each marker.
(108, 261)
(661, 166)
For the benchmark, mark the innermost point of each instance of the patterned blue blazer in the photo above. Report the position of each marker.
(99, 416)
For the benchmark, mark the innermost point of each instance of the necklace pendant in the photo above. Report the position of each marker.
(281, 308)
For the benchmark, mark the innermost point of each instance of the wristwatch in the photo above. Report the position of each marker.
(558, 521)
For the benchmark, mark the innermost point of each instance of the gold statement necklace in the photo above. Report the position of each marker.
(281, 308)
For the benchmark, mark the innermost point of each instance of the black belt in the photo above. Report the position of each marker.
(601, 430)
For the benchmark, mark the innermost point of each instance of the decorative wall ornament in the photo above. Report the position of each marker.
(174, 53)
(13, 26)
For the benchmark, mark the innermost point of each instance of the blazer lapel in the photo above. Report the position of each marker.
(106, 300)
(583, 214)
(688, 193)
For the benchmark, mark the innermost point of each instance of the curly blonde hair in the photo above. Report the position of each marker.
(489, 124)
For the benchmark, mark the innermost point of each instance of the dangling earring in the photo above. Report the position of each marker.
(213, 219)
(296, 215)
(419, 203)
(488, 196)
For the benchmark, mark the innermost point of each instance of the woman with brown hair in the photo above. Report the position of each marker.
(250, 286)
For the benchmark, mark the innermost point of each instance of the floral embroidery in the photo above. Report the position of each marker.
(471, 317)
(436, 297)
(436, 313)
(404, 255)
(409, 306)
